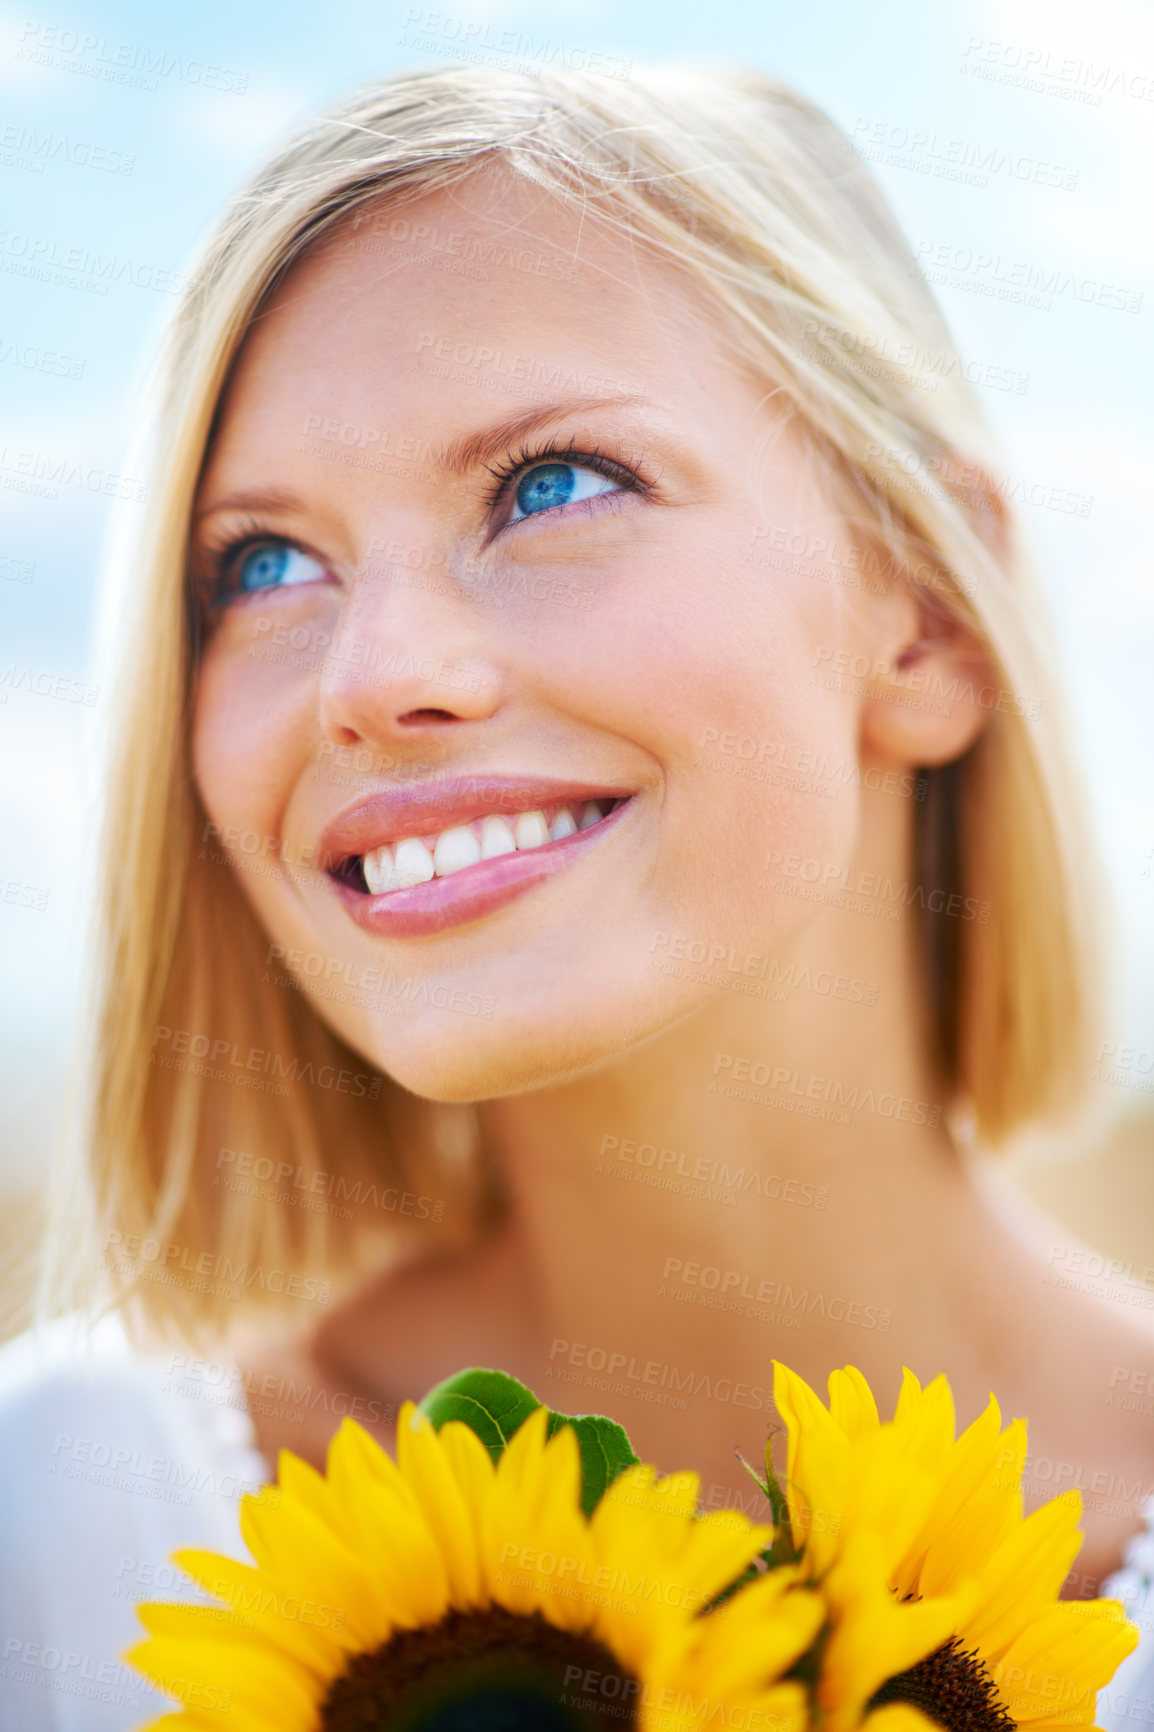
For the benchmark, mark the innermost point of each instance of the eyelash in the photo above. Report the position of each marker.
(221, 558)
(557, 451)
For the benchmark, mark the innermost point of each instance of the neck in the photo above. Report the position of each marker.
(788, 1138)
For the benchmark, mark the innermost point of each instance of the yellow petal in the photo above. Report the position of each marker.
(874, 1636)
(245, 1681)
(1057, 1665)
(1027, 1571)
(851, 1402)
(428, 1468)
(898, 1717)
(910, 1395)
(316, 1633)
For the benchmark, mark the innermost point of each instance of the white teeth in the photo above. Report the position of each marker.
(414, 863)
(496, 838)
(378, 870)
(455, 850)
(530, 830)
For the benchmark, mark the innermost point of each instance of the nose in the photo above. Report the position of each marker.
(410, 659)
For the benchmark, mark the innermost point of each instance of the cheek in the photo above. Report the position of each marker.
(250, 738)
(758, 757)
(710, 666)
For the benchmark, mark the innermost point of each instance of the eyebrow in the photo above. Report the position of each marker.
(264, 499)
(470, 451)
(475, 449)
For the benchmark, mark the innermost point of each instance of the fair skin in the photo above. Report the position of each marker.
(600, 1024)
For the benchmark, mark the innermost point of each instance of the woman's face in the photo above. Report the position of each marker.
(496, 667)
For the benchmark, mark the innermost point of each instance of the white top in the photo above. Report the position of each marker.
(110, 1461)
(1127, 1704)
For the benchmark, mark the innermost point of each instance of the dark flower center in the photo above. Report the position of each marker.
(952, 1686)
(485, 1671)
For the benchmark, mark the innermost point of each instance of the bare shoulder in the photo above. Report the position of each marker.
(395, 1338)
(1089, 1393)
(423, 1321)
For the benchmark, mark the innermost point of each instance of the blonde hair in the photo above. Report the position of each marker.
(759, 198)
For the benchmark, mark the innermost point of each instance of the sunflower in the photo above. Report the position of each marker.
(443, 1592)
(939, 1521)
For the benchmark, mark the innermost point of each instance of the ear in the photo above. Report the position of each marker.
(928, 702)
(931, 697)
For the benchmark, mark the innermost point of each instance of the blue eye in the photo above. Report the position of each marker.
(547, 485)
(275, 565)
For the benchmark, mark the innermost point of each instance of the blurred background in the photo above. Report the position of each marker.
(1016, 141)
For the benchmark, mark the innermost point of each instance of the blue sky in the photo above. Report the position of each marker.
(123, 127)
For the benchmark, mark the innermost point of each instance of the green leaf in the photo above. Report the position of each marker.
(761, 1484)
(494, 1405)
(783, 1550)
(605, 1452)
(491, 1403)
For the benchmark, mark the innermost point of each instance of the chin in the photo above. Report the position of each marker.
(461, 1069)
(454, 1058)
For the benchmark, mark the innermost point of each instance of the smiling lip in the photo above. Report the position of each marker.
(476, 890)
